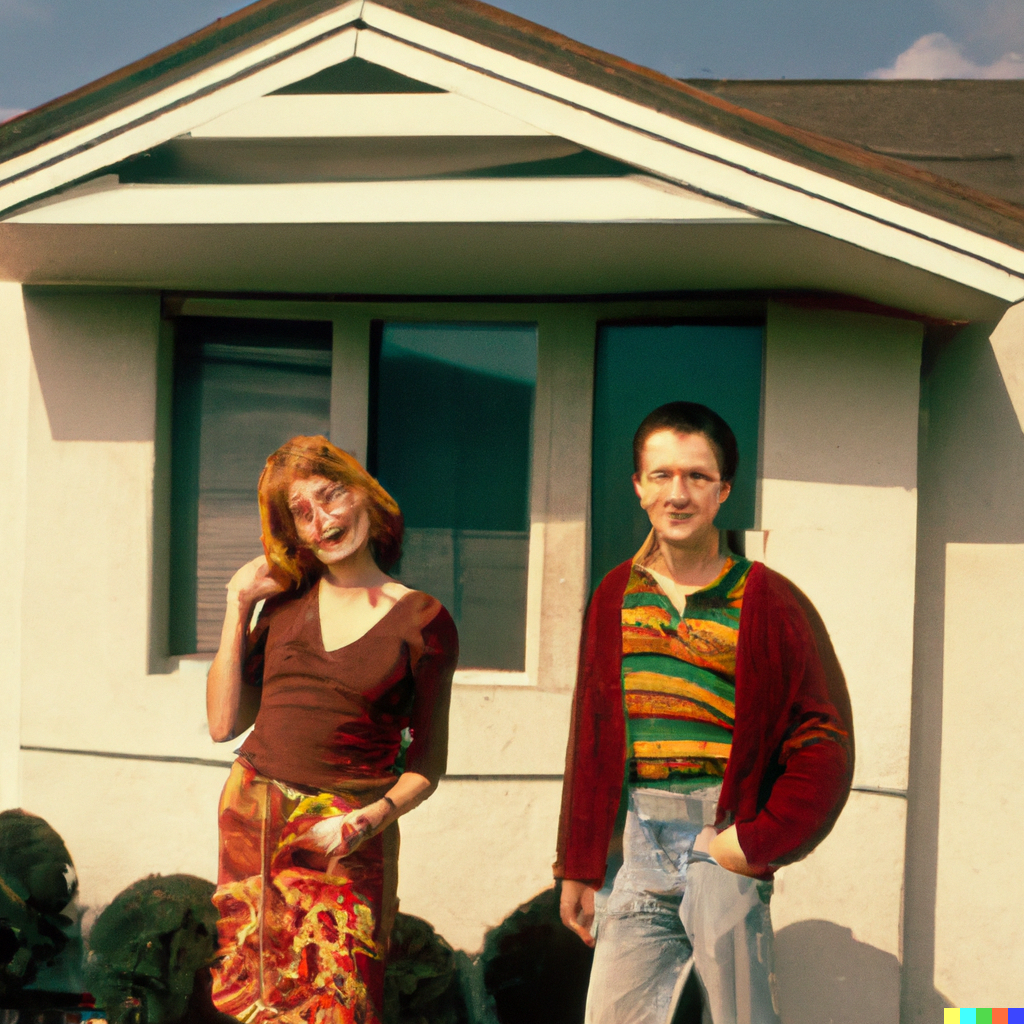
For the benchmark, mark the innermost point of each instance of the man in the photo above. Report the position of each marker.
(701, 688)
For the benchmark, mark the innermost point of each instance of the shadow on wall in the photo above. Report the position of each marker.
(95, 357)
(827, 977)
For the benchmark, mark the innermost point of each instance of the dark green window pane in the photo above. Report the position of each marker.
(242, 388)
(640, 367)
(454, 405)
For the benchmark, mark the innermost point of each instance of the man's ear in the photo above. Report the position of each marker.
(724, 491)
(636, 483)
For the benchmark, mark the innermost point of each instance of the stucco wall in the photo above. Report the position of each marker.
(979, 928)
(962, 934)
(838, 517)
(15, 387)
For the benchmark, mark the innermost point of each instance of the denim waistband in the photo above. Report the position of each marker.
(698, 807)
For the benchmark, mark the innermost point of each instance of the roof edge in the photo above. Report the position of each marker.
(876, 173)
(203, 48)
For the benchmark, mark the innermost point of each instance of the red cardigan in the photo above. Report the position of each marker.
(783, 798)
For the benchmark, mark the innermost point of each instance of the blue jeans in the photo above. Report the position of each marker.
(669, 910)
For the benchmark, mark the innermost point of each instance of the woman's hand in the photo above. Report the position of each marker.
(576, 908)
(254, 582)
(338, 836)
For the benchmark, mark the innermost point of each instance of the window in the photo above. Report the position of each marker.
(241, 389)
(641, 366)
(450, 440)
(443, 405)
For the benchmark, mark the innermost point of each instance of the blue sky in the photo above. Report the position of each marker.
(49, 47)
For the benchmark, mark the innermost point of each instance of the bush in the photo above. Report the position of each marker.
(150, 951)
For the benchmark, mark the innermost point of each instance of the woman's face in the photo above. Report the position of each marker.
(331, 519)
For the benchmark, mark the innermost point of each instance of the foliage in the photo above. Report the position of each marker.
(534, 968)
(146, 948)
(37, 881)
(421, 985)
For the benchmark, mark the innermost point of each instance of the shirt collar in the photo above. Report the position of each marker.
(649, 557)
(649, 554)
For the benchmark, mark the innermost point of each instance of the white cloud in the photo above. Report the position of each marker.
(937, 56)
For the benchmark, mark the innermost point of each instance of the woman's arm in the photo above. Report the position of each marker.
(231, 706)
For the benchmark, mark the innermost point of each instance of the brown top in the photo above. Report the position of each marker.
(332, 720)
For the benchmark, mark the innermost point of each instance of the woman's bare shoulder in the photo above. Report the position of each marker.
(396, 591)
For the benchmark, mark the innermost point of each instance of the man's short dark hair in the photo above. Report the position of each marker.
(691, 418)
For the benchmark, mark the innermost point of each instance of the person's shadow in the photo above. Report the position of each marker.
(825, 976)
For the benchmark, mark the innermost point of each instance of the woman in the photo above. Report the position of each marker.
(341, 660)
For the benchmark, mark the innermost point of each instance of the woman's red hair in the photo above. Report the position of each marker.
(303, 457)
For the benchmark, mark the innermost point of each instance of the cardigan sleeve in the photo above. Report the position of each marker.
(807, 778)
(595, 761)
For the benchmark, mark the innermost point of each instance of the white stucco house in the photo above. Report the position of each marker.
(476, 253)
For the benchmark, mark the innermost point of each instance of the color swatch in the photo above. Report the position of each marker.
(978, 1015)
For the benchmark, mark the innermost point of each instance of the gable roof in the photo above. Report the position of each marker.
(669, 128)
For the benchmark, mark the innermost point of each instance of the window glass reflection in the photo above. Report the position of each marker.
(454, 404)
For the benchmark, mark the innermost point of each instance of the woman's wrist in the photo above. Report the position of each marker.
(240, 601)
(382, 813)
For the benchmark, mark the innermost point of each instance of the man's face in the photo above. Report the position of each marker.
(330, 518)
(680, 487)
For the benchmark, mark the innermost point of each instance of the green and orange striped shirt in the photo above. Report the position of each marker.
(679, 677)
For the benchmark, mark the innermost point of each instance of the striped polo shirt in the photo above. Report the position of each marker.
(679, 676)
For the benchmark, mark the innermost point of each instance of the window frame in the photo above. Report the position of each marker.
(558, 572)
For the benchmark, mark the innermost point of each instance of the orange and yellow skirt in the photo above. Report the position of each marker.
(298, 945)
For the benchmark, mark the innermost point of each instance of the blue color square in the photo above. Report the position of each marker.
(1015, 1015)
(968, 1015)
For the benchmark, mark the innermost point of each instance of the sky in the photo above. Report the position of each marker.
(49, 47)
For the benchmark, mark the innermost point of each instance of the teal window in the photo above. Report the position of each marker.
(641, 366)
(450, 429)
(241, 389)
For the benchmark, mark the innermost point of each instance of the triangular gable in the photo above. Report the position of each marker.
(534, 77)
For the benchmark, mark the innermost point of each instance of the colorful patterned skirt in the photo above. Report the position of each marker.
(298, 944)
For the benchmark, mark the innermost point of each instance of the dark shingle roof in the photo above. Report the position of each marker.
(970, 131)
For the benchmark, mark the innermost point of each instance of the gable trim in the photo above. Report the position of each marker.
(221, 81)
(656, 147)
(402, 31)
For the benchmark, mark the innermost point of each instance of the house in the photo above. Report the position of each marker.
(476, 253)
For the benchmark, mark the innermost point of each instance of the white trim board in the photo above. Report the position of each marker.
(447, 201)
(674, 149)
(464, 63)
(176, 110)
